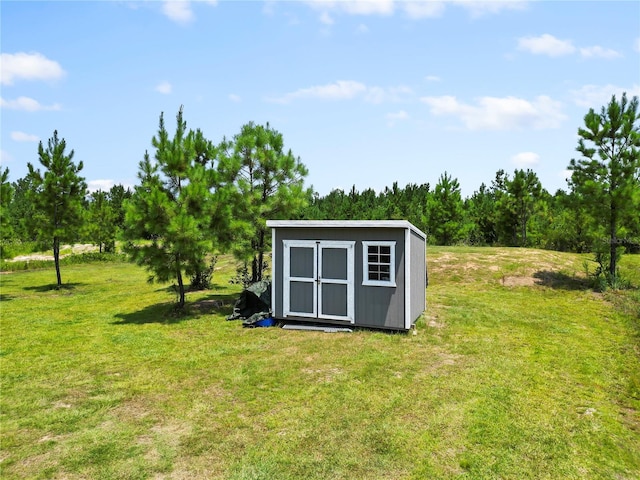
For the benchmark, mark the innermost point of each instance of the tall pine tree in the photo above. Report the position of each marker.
(607, 177)
(270, 185)
(57, 196)
(446, 211)
(101, 222)
(175, 208)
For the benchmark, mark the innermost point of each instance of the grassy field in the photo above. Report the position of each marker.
(518, 371)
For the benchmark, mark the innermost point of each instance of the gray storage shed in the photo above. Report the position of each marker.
(370, 273)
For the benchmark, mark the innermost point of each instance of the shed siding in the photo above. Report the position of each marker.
(418, 276)
(375, 306)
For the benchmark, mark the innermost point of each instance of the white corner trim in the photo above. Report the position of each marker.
(407, 279)
(273, 272)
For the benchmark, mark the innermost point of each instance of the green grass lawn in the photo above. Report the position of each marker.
(518, 371)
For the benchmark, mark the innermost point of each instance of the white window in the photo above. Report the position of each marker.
(379, 264)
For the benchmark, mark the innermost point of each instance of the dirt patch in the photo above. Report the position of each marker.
(75, 250)
(438, 364)
(323, 375)
(32, 257)
(432, 321)
(519, 281)
(52, 438)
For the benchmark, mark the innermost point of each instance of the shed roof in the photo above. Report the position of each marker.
(404, 224)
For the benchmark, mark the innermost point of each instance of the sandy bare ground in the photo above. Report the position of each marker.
(75, 249)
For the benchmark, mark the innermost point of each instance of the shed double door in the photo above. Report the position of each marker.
(319, 279)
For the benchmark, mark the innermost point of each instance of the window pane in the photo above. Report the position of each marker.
(378, 263)
(301, 262)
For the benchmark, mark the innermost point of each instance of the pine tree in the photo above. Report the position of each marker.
(446, 211)
(607, 177)
(175, 208)
(6, 192)
(481, 213)
(57, 196)
(524, 191)
(270, 185)
(516, 202)
(101, 222)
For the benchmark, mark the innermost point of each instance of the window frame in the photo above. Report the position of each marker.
(365, 263)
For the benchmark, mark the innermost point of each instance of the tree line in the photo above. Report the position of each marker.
(600, 211)
(196, 199)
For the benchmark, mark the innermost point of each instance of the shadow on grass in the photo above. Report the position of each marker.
(53, 286)
(561, 281)
(159, 313)
(216, 303)
(174, 288)
(169, 313)
(5, 298)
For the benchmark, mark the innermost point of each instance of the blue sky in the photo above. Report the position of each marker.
(365, 93)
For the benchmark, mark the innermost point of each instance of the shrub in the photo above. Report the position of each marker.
(202, 280)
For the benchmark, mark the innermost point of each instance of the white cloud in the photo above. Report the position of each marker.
(599, 52)
(362, 28)
(479, 8)
(96, 185)
(429, 9)
(340, 90)
(164, 88)
(368, 7)
(235, 98)
(27, 104)
(24, 137)
(394, 117)
(28, 66)
(525, 159)
(432, 78)
(355, 7)
(506, 113)
(379, 95)
(326, 18)
(346, 90)
(546, 45)
(178, 11)
(596, 96)
(415, 9)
